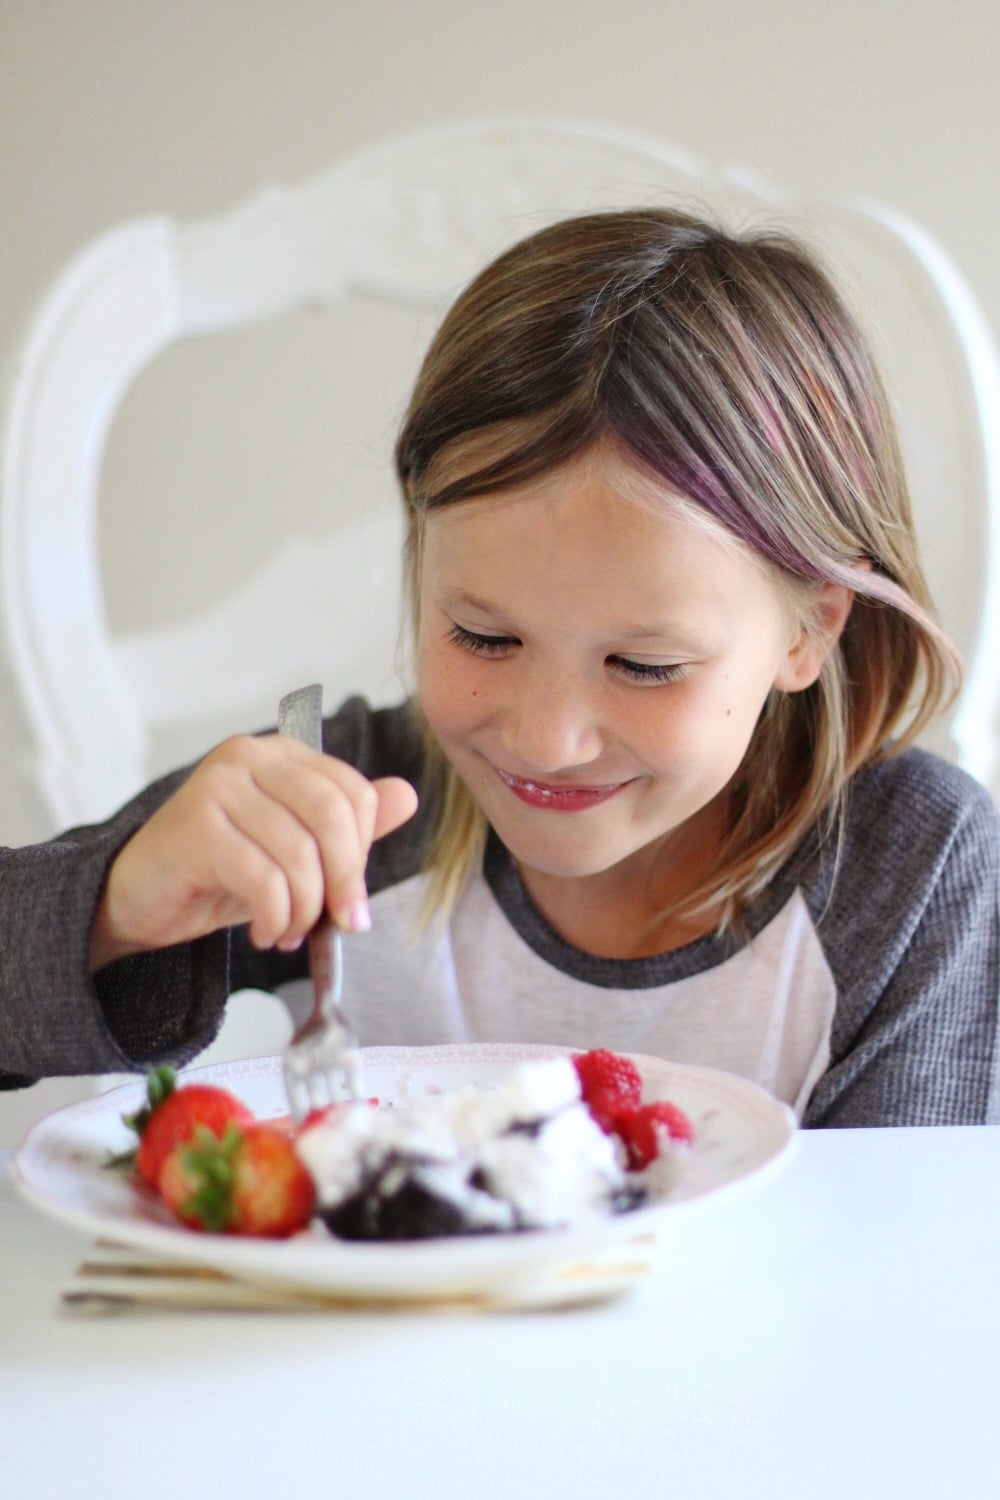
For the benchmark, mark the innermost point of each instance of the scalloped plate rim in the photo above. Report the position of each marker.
(747, 1120)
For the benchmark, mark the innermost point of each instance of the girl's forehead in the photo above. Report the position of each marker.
(609, 486)
(595, 532)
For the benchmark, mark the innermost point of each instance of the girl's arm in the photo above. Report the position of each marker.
(55, 1017)
(114, 940)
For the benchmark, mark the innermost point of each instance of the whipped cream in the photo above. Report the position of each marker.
(524, 1155)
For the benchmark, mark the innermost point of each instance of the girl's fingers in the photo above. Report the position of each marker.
(379, 807)
(316, 817)
(397, 802)
(186, 873)
(271, 862)
(257, 885)
(264, 831)
(335, 809)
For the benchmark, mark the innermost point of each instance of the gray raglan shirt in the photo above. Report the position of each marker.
(865, 991)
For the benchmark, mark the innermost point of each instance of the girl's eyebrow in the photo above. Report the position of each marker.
(683, 631)
(676, 632)
(450, 598)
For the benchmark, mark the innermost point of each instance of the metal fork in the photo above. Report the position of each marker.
(321, 1063)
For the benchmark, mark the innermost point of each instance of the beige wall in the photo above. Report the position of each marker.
(112, 108)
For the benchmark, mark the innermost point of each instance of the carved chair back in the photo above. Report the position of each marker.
(399, 226)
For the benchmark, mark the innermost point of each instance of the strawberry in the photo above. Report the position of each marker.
(248, 1181)
(646, 1130)
(609, 1083)
(172, 1114)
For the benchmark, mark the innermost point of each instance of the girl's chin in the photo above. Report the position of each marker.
(561, 858)
(579, 847)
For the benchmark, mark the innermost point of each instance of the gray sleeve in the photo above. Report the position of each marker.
(55, 1018)
(912, 933)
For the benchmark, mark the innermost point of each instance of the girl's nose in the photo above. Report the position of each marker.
(549, 726)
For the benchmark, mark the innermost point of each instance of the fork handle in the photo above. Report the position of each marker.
(326, 965)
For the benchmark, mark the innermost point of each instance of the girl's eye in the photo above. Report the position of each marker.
(647, 671)
(480, 645)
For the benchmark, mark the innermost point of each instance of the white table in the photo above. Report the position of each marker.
(837, 1334)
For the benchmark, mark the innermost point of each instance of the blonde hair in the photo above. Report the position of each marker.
(727, 368)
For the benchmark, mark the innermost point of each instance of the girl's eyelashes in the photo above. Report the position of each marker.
(648, 671)
(480, 645)
(499, 645)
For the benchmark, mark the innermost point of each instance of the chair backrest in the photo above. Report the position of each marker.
(406, 222)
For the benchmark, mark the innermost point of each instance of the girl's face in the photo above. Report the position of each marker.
(594, 667)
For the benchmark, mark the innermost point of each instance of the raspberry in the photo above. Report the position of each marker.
(607, 1110)
(646, 1130)
(610, 1084)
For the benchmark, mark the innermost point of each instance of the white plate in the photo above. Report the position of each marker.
(741, 1135)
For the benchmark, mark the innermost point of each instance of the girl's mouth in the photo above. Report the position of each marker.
(559, 798)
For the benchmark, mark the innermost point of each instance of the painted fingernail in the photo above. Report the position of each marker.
(359, 918)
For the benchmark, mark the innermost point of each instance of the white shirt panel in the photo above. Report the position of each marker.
(765, 1013)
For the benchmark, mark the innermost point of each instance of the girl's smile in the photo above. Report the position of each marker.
(559, 796)
(587, 646)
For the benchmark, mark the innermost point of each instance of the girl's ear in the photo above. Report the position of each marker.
(815, 638)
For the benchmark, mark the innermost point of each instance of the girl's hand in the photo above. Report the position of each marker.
(265, 831)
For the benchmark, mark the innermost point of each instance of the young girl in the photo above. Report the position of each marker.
(655, 791)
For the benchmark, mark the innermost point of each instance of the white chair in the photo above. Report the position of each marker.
(404, 223)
